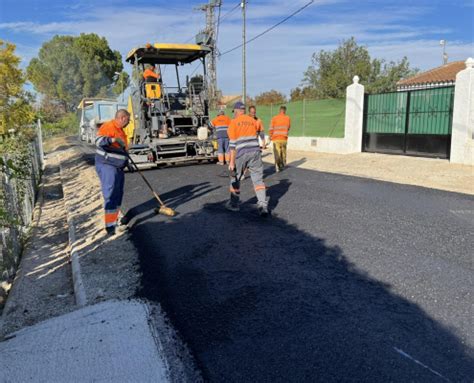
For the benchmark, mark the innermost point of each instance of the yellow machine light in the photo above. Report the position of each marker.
(153, 90)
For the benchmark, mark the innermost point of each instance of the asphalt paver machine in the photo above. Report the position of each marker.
(169, 124)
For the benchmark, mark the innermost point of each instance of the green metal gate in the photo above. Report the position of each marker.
(414, 122)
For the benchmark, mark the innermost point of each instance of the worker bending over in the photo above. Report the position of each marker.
(110, 160)
(279, 129)
(245, 153)
(221, 124)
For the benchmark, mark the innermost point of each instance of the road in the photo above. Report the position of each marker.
(349, 280)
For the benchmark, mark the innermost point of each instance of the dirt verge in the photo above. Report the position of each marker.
(425, 172)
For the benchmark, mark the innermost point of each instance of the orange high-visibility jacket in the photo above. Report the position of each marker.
(109, 130)
(221, 124)
(279, 127)
(149, 73)
(243, 135)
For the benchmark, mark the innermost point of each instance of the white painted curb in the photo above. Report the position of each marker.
(79, 290)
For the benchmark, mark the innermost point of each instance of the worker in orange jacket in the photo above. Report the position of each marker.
(221, 124)
(253, 114)
(245, 154)
(110, 160)
(279, 129)
(150, 75)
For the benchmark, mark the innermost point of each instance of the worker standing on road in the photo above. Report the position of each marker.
(221, 124)
(245, 153)
(279, 129)
(253, 114)
(110, 160)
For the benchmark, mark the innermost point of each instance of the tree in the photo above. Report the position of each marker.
(69, 68)
(332, 71)
(15, 103)
(299, 94)
(384, 76)
(270, 97)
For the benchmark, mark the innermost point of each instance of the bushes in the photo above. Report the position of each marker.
(67, 124)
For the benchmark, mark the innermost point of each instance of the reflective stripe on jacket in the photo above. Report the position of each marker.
(243, 135)
(280, 127)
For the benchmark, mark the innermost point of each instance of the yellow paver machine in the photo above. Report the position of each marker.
(169, 124)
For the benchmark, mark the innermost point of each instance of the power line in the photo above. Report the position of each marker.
(269, 29)
(231, 11)
(217, 28)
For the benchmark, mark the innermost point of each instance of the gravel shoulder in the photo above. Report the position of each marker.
(43, 286)
(417, 171)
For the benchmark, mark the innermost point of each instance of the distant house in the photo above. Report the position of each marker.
(444, 75)
(229, 100)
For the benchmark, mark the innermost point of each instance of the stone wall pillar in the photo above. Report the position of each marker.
(354, 116)
(462, 138)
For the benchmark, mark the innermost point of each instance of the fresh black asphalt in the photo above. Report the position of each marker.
(349, 280)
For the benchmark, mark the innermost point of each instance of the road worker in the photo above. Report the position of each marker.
(245, 154)
(253, 114)
(110, 160)
(149, 75)
(221, 124)
(279, 129)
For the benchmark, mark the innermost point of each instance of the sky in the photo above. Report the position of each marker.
(390, 29)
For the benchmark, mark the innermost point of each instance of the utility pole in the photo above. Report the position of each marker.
(209, 37)
(244, 68)
(445, 56)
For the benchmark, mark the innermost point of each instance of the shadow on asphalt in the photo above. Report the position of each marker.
(259, 300)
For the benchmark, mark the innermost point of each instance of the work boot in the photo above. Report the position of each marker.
(262, 210)
(110, 230)
(232, 206)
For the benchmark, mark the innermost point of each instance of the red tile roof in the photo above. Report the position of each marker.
(442, 74)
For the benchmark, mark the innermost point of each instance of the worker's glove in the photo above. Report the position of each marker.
(119, 141)
(130, 168)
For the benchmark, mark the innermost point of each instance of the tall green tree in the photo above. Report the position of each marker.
(331, 72)
(15, 104)
(69, 68)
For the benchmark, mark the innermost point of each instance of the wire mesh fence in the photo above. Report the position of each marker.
(20, 175)
(309, 118)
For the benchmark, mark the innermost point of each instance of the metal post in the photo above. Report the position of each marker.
(123, 96)
(40, 144)
(244, 74)
(304, 115)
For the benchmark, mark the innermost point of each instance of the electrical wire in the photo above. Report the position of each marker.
(268, 29)
(217, 27)
(231, 11)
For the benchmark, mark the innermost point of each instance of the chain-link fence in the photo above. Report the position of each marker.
(309, 118)
(20, 175)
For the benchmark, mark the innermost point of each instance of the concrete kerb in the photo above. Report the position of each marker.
(79, 290)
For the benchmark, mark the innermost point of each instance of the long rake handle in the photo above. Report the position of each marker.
(146, 182)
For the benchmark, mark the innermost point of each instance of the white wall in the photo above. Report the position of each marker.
(352, 141)
(462, 138)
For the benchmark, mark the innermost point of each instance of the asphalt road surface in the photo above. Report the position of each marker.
(349, 280)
